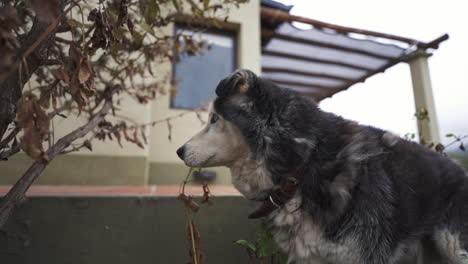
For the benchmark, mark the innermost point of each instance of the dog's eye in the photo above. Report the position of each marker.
(214, 118)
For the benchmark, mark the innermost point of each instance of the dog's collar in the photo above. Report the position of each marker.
(278, 197)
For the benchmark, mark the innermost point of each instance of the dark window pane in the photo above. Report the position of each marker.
(198, 75)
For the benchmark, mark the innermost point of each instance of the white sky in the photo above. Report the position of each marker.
(386, 100)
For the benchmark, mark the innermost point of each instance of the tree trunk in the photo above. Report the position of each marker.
(11, 88)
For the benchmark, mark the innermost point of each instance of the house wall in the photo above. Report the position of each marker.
(109, 164)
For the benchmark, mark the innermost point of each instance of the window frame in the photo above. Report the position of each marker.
(205, 26)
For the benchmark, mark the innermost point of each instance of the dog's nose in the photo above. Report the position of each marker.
(180, 152)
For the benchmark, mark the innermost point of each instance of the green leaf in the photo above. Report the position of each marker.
(246, 243)
(137, 38)
(75, 23)
(147, 27)
(449, 135)
(150, 10)
(176, 5)
(206, 4)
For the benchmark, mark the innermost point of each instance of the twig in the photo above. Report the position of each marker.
(10, 136)
(65, 106)
(15, 148)
(458, 139)
(17, 193)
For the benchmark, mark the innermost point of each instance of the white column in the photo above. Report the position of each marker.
(423, 96)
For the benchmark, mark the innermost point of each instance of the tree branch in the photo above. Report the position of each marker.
(17, 193)
(10, 136)
(14, 148)
(11, 86)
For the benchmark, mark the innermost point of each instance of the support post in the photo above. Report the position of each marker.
(423, 97)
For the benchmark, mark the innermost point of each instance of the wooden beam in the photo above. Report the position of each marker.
(306, 73)
(301, 84)
(278, 15)
(297, 57)
(270, 34)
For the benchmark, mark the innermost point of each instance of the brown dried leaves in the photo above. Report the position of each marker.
(35, 123)
(46, 10)
(79, 75)
(103, 36)
(195, 252)
(189, 202)
(9, 21)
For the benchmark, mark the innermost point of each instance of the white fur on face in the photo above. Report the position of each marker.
(222, 144)
(217, 144)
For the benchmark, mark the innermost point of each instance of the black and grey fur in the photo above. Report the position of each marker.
(367, 196)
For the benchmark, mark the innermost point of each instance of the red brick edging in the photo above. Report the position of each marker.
(152, 190)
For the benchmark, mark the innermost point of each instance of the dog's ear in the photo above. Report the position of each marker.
(239, 82)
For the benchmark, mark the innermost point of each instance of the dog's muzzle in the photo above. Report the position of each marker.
(180, 152)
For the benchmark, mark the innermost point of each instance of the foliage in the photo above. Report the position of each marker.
(191, 208)
(77, 60)
(263, 249)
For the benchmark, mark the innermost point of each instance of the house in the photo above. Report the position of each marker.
(259, 36)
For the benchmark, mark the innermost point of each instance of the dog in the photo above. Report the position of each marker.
(351, 193)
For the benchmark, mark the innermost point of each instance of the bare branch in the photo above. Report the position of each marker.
(17, 193)
(15, 148)
(10, 137)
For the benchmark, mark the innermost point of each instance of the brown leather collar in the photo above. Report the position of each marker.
(278, 197)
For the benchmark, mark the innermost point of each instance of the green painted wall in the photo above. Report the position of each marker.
(175, 173)
(122, 230)
(80, 170)
(103, 170)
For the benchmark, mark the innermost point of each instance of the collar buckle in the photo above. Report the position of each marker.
(293, 180)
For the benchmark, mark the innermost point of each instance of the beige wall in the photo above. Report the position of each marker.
(161, 150)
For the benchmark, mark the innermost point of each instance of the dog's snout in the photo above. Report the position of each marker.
(180, 152)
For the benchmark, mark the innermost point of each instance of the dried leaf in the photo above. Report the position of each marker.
(35, 123)
(9, 17)
(130, 25)
(439, 148)
(195, 239)
(88, 145)
(61, 74)
(46, 10)
(206, 195)
(169, 129)
(143, 128)
(118, 137)
(9, 44)
(85, 71)
(189, 202)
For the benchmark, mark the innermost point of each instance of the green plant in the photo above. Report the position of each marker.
(263, 249)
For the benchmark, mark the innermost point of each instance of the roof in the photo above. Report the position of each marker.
(276, 5)
(327, 58)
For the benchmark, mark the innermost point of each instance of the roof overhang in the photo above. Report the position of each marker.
(328, 58)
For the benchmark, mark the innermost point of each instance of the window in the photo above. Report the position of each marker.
(197, 76)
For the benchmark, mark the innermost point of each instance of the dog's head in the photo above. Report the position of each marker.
(220, 142)
(253, 118)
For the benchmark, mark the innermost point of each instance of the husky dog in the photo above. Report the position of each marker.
(365, 196)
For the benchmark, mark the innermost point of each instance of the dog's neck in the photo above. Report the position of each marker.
(251, 177)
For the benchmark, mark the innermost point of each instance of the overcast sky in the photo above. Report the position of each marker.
(386, 100)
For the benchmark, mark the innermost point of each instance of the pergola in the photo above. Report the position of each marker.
(328, 58)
